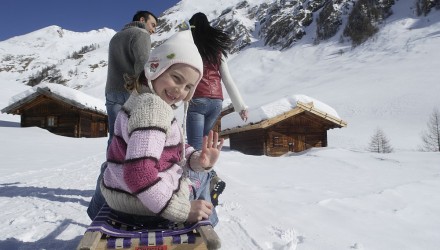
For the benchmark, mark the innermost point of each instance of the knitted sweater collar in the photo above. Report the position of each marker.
(138, 24)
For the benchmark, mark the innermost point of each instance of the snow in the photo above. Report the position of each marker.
(272, 109)
(339, 197)
(328, 198)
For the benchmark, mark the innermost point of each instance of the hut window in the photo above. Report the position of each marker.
(277, 141)
(51, 121)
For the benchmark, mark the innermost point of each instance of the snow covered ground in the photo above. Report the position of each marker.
(329, 198)
(340, 197)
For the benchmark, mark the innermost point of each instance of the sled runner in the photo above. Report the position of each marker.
(107, 232)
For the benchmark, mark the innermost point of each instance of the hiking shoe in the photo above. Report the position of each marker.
(217, 187)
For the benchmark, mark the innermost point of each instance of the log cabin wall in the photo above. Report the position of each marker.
(296, 134)
(92, 125)
(249, 142)
(42, 110)
(277, 143)
(98, 126)
(62, 119)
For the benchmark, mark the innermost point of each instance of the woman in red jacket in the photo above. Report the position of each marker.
(206, 105)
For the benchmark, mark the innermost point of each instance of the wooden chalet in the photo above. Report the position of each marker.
(301, 128)
(59, 114)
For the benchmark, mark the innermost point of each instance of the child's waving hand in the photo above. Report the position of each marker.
(211, 148)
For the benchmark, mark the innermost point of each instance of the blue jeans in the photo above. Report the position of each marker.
(201, 190)
(201, 184)
(201, 118)
(113, 103)
(98, 199)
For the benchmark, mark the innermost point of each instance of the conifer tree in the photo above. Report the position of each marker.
(379, 143)
(431, 137)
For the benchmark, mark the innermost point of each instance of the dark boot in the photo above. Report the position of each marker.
(216, 188)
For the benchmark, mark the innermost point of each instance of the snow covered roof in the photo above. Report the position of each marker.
(71, 96)
(265, 115)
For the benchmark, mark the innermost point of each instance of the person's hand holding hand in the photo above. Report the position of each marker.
(200, 209)
(210, 150)
(244, 114)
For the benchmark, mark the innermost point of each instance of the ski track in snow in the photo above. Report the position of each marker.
(288, 236)
(233, 228)
(232, 231)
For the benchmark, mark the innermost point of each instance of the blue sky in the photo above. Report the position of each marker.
(19, 17)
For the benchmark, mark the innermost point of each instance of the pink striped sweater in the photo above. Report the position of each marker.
(143, 174)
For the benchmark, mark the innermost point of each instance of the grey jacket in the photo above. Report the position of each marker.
(129, 50)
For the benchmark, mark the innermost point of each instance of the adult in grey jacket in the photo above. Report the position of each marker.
(129, 50)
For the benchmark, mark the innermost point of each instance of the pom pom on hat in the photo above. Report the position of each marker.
(179, 48)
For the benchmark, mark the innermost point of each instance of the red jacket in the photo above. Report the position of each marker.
(211, 84)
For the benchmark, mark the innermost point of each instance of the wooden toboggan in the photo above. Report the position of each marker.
(107, 232)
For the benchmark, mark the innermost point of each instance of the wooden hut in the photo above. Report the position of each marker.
(59, 114)
(301, 128)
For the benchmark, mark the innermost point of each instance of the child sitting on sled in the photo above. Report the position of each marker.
(150, 172)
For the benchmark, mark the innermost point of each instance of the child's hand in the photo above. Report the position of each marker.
(210, 150)
(200, 209)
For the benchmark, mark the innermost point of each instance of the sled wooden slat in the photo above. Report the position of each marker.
(210, 237)
(199, 244)
(107, 231)
(89, 241)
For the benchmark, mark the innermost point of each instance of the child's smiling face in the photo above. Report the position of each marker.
(176, 83)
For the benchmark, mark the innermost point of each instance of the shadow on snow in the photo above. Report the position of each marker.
(48, 242)
(53, 194)
(8, 124)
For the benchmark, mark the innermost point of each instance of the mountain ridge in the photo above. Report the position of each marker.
(250, 23)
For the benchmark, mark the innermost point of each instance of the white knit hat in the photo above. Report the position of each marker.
(179, 48)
